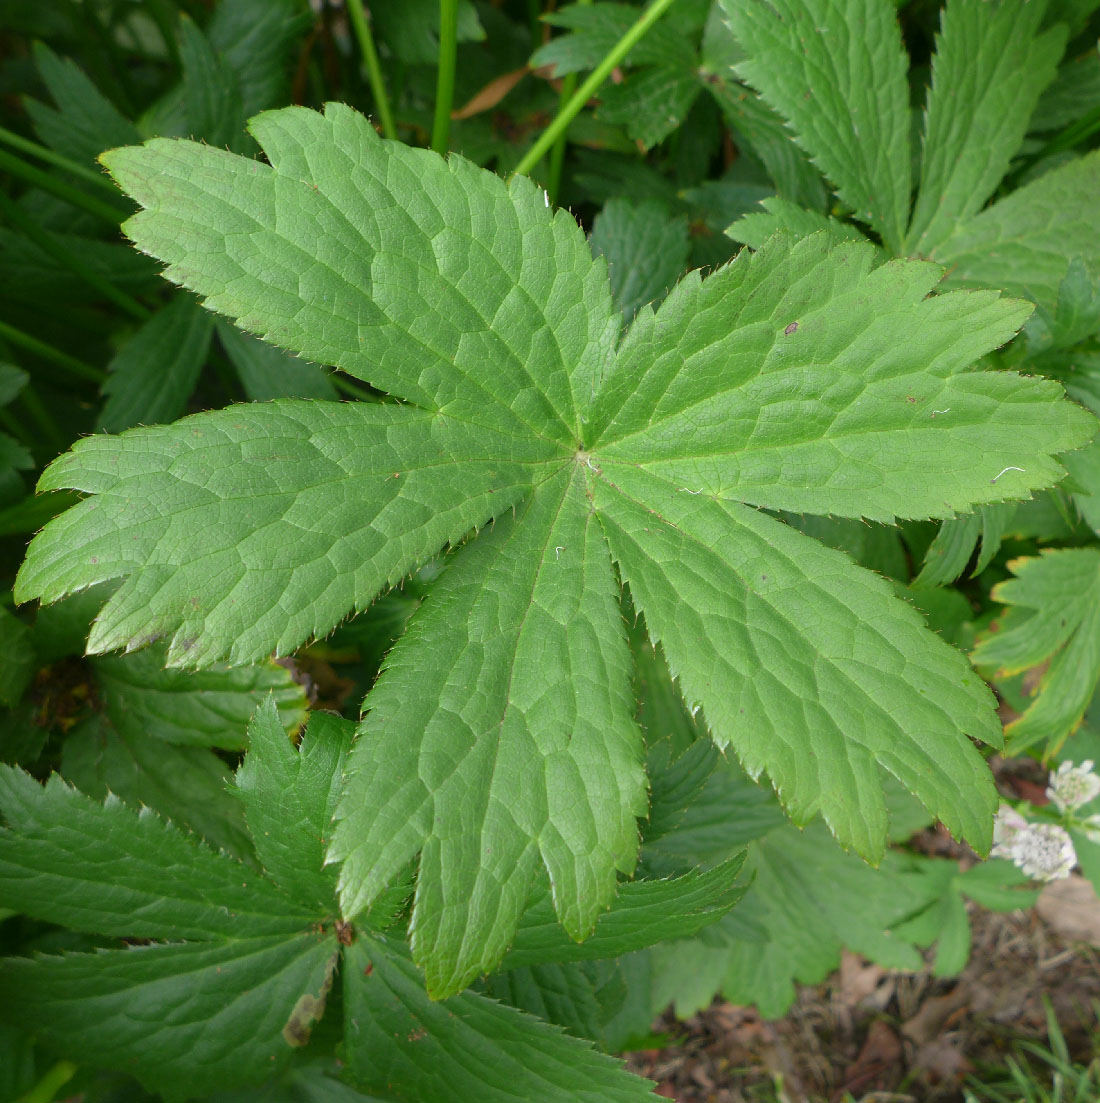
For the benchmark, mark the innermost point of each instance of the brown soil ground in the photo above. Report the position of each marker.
(879, 1037)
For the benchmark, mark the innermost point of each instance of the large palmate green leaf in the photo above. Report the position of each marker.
(500, 737)
(224, 970)
(835, 72)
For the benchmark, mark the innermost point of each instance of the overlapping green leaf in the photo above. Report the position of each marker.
(1024, 243)
(292, 793)
(106, 869)
(950, 552)
(17, 658)
(990, 66)
(187, 785)
(207, 708)
(153, 375)
(645, 912)
(646, 250)
(239, 968)
(242, 962)
(85, 122)
(579, 996)
(836, 73)
(267, 372)
(1054, 616)
(154, 1010)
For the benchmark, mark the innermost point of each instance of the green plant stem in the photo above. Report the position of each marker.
(54, 356)
(14, 215)
(591, 86)
(445, 82)
(557, 152)
(163, 17)
(39, 179)
(361, 25)
(43, 153)
(341, 383)
(50, 1084)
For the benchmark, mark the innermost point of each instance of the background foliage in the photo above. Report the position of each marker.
(197, 906)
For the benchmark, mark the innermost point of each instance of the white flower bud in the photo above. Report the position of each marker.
(1072, 786)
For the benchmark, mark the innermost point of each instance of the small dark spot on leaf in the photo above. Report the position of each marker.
(345, 933)
(792, 328)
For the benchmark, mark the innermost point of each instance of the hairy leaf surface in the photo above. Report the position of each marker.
(646, 251)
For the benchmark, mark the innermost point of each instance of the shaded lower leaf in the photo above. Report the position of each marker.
(467, 1049)
(187, 785)
(646, 250)
(801, 898)
(268, 372)
(579, 996)
(644, 912)
(185, 1018)
(107, 869)
(206, 708)
(1053, 617)
(152, 377)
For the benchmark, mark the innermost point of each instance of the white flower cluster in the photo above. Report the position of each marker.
(1044, 851)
